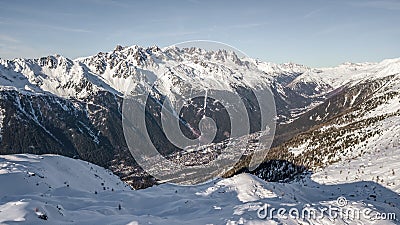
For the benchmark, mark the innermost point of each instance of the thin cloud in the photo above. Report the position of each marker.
(172, 34)
(60, 28)
(313, 13)
(147, 35)
(67, 29)
(236, 26)
(246, 25)
(8, 51)
(47, 26)
(177, 34)
(335, 29)
(7, 38)
(34, 11)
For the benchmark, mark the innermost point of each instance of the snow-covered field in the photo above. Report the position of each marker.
(70, 191)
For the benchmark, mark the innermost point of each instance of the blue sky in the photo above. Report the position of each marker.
(313, 32)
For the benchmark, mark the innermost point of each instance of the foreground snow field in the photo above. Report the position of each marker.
(68, 191)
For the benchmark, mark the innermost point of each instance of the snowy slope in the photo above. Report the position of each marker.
(370, 123)
(53, 74)
(349, 73)
(65, 191)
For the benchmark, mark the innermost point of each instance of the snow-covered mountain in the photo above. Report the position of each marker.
(113, 71)
(362, 117)
(73, 107)
(58, 190)
(348, 74)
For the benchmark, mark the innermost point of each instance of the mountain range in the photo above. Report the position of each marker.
(55, 105)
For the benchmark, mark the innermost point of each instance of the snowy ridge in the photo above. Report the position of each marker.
(278, 69)
(116, 70)
(53, 74)
(349, 73)
(179, 72)
(68, 191)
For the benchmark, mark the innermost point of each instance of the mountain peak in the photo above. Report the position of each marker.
(118, 48)
(53, 61)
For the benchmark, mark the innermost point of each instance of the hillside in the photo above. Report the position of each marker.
(69, 191)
